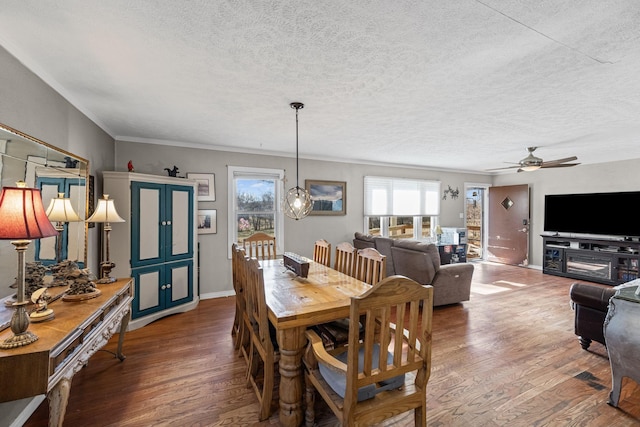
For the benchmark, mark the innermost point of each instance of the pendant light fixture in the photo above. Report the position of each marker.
(297, 201)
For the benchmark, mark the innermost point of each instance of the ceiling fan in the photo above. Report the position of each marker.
(532, 163)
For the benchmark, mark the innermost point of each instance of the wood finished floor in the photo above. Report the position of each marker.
(508, 357)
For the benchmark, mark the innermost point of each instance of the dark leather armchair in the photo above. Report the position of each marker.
(590, 303)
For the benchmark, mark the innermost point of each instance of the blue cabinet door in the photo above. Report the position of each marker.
(162, 223)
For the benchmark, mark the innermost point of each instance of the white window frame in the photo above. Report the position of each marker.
(421, 210)
(234, 172)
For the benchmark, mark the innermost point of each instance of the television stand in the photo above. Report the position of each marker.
(604, 261)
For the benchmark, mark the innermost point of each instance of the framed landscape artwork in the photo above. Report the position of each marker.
(206, 186)
(207, 221)
(328, 197)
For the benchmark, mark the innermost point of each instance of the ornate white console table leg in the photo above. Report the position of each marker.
(622, 334)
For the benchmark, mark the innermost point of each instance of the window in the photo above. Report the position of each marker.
(394, 206)
(254, 204)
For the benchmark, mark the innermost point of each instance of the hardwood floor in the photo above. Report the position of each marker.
(508, 357)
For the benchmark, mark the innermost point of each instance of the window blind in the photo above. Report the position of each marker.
(385, 196)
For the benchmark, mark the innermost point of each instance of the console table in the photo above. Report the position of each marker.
(623, 338)
(65, 345)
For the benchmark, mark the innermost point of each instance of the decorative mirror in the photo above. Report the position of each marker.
(58, 174)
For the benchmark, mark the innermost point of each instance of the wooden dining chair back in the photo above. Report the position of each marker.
(345, 258)
(385, 373)
(263, 353)
(238, 331)
(322, 252)
(371, 266)
(260, 245)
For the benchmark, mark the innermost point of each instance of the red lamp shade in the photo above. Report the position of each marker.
(22, 215)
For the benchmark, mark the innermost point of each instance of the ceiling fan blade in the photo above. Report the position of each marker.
(504, 168)
(559, 165)
(558, 161)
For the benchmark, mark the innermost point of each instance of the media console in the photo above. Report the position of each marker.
(604, 261)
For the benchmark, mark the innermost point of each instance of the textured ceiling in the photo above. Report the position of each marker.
(463, 85)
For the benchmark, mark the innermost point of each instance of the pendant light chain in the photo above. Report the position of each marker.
(297, 107)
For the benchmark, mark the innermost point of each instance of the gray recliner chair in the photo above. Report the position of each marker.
(420, 261)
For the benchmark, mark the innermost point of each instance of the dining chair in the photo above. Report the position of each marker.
(345, 258)
(238, 331)
(383, 374)
(263, 350)
(371, 266)
(260, 245)
(322, 252)
(243, 344)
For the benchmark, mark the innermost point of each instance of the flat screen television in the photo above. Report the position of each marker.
(608, 214)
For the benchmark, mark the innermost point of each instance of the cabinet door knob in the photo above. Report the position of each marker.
(164, 223)
(169, 286)
(163, 287)
(168, 222)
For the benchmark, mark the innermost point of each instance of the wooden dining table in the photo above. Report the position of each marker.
(296, 303)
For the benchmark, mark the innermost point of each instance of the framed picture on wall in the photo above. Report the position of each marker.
(328, 197)
(206, 186)
(207, 221)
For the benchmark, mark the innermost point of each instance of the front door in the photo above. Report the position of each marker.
(508, 241)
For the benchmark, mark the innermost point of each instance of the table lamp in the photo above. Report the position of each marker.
(60, 211)
(23, 219)
(106, 213)
(439, 233)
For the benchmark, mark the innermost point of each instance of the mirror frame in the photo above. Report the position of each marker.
(86, 174)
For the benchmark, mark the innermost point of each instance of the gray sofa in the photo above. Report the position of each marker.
(421, 262)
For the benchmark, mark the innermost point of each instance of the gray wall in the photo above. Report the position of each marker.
(215, 267)
(33, 107)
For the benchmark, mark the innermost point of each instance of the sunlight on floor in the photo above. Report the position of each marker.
(495, 287)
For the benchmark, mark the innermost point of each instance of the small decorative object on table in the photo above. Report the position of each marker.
(296, 263)
(34, 277)
(81, 286)
(41, 299)
(34, 273)
(60, 271)
(130, 166)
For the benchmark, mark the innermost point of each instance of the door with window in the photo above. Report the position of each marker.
(508, 238)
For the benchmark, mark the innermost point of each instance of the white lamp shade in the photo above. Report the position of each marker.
(105, 211)
(60, 210)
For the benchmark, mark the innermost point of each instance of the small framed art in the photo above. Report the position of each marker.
(206, 186)
(207, 221)
(328, 197)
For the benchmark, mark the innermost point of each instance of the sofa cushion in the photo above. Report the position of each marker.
(365, 237)
(428, 248)
(384, 245)
(416, 265)
(362, 241)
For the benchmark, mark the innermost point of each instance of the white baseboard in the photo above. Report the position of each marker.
(222, 294)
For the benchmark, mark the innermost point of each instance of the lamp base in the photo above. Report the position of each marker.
(19, 340)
